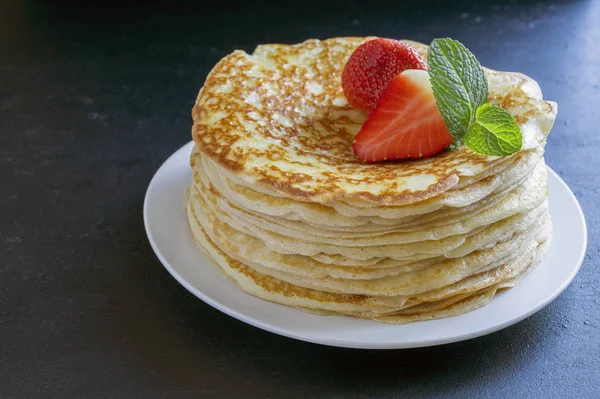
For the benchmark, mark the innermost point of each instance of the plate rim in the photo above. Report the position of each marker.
(346, 343)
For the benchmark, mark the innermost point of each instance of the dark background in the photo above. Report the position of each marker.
(94, 97)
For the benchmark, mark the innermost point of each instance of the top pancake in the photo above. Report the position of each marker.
(278, 119)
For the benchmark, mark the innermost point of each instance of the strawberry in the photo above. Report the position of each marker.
(406, 122)
(371, 68)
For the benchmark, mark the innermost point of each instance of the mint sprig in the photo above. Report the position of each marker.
(460, 89)
(495, 132)
(458, 83)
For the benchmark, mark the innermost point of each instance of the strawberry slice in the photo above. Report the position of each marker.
(405, 123)
(372, 66)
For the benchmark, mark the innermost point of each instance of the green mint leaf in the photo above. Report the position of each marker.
(459, 85)
(495, 132)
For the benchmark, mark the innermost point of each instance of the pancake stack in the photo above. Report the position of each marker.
(282, 206)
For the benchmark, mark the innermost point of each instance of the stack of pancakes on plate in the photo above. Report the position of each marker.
(282, 206)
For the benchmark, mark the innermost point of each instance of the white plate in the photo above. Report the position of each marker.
(168, 232)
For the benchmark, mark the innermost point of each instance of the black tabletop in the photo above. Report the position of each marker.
(93, 98)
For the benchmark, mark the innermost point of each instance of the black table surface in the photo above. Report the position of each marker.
(94, 98)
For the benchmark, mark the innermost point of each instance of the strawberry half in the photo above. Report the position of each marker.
(406, 122)
(371, 68)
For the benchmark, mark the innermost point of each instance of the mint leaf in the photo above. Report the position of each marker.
(495, 132)
(459, 85)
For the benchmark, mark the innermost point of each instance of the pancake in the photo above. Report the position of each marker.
(343, 215)
(280, 204)
(409, 278)
(365, 306)
(525, 197)
(277, 119)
